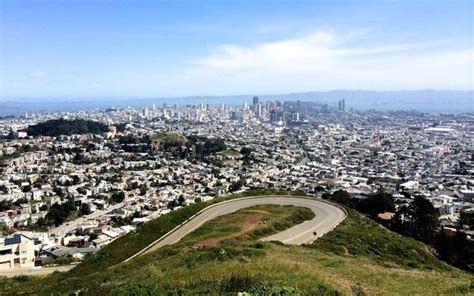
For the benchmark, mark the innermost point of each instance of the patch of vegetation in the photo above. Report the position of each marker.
(125, 246)
(191, 147)
(57, 127)
(231, 152)
(359, 257)
(59, 213)
(254, 222)
(360, 236)
(419, 220)
(168, 140)
(136, 290)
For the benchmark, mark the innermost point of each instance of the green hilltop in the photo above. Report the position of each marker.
(225, 256)
(58, 127)
(171, 139)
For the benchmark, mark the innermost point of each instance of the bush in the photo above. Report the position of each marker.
(137, 289)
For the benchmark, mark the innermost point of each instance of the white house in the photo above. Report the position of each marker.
(17, 251)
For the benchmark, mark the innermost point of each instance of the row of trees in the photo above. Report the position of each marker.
(419, 220)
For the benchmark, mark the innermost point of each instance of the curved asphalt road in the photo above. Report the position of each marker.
(327, 217)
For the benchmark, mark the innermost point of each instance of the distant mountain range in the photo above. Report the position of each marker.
(436, 101)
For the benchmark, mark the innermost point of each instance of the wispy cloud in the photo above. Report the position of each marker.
(326, 60)
(38, 74)
(313, 48)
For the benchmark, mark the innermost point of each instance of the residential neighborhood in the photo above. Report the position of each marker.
(64, 197)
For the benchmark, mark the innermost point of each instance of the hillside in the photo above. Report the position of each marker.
(168, 139)
(224, 256)
(57, 127)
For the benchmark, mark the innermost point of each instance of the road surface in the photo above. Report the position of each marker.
(327, 217)
(64, 228)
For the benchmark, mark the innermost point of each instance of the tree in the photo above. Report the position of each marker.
(172, 204)
(319, 188)
(85, 209)
(27, 188)
(76, 179)
(117, 196)
(466, 219)
(82, 190)
(143, 189)
(456, 250)
(379, 202)
(425, 220)
(247, 155)
(341, 196)
(58, 213)
(59, 191)
(5, 205)
(237, 185)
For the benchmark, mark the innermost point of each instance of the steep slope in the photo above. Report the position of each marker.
(224, 256)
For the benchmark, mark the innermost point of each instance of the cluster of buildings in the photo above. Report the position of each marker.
(296, 146)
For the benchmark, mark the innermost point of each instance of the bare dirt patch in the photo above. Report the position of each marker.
(248, 224)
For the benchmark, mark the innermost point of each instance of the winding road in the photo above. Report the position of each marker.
(327, 217)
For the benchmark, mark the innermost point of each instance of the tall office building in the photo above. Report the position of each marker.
(244, 105)
(273, 116)
(255, 104)
(281, 116)
(258, 110)
(341, 105)
(295, 117)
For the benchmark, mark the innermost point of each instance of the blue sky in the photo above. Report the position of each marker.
(179, 48)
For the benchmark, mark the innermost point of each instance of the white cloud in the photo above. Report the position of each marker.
(314, 47)
(38, 74)
(324, 61)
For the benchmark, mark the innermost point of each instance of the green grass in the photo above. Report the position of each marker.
(236, 225)
(92, 279)
(377, 243)
(133, 242)
(126, 246)
(231, 152)
(358, 257)
(160, 138)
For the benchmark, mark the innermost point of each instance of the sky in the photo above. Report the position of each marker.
(106, 49)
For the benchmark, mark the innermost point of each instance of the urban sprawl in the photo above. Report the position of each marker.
(63, 197)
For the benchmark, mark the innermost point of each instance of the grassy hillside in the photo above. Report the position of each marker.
(224, 256)
(168, 139)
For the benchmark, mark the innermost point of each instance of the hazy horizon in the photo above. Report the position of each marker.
(219, 95)
(431, 101)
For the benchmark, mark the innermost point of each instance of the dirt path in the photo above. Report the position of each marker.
(250, 223)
